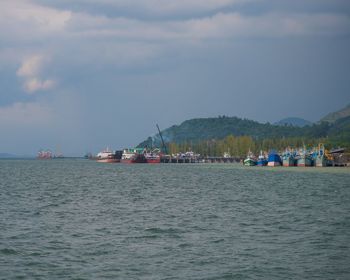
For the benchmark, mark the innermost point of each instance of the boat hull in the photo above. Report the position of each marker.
(249, 162)
(108, 160)
(304, 162)
(134, 159)
(274, 160)
(153, 161)
(274, 163)
(322, 162)
(261, 162)
(288, 162)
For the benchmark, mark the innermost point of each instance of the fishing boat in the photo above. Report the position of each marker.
(250, 160)
(274, 159)
(153, 156)
(135, 155)
(288, 158)
(322, 158)
(262, 161)
(107, 156)
(304, 158)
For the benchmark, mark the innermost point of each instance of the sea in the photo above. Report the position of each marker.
(79, 219)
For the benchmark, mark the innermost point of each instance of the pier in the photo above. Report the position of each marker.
(170, 159)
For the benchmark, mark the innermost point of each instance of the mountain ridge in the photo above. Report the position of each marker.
(334, 116)
(293, 121)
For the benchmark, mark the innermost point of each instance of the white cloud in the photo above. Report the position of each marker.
(31, 70)
(33, 85)
(31, 66)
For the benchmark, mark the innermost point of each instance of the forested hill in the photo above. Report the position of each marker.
(196, 130)
(294, 122)
(332, 117)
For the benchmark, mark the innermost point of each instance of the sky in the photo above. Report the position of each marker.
(80, 75)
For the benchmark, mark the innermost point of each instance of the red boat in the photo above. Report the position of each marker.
(44, 154)
(152, 158)
(133, 156)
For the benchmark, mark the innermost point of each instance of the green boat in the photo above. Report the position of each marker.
(250, 160)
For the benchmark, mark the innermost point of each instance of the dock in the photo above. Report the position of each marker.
(170, 159)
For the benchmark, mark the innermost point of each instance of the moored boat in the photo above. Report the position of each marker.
(153, 156)
(288, 158)
(274, 159)
(250, 160)
(262, 161)
(304, 158)
(107, 156)
(133, 156)
(321, 158)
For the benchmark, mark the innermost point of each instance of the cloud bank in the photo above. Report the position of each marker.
(165, 52)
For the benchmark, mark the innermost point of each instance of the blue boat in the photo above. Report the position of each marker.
(288, 158)
(262, 161)
(320, 158)
(274, 159)
(304, 158)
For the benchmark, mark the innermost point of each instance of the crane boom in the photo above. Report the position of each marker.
(161, 137)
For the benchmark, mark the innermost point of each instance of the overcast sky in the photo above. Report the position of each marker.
(80, 75)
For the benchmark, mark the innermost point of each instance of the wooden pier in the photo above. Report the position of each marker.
(169, 159)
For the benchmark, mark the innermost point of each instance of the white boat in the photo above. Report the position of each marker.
(107, 156)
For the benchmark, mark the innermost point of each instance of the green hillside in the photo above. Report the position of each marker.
(339, 132)
(260, 135)
(218, 128)
(332, 117)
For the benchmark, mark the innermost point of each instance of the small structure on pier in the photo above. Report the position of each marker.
(340, 158)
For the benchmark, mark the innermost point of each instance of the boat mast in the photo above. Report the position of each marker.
(161, 137)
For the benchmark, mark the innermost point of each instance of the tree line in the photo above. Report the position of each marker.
(238, 146)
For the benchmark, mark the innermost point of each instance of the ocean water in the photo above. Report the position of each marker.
(78, 219)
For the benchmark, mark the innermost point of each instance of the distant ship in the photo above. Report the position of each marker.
(107, 156)
(274, 159)
(44, 154)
